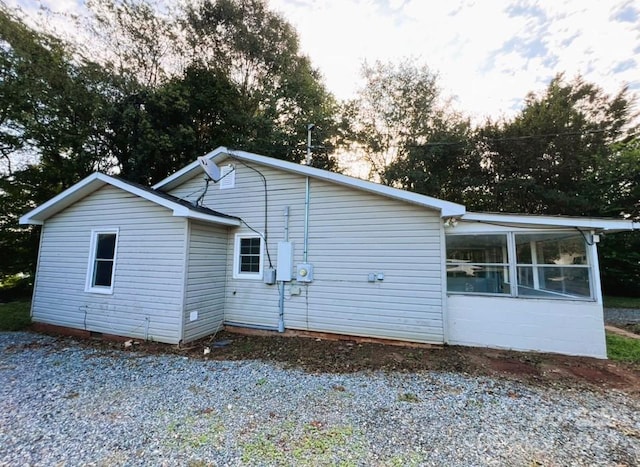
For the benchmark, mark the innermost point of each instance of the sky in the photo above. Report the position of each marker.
(488, 53)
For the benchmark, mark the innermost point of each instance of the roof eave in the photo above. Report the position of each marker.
(183, 211)
(86, 186)
(446, 208)
(97, 180)
(611, 225)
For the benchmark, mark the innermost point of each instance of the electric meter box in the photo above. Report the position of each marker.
(270, 276)
(285, 261)
(304, 272)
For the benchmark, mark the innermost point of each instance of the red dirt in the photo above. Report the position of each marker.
(318, 355)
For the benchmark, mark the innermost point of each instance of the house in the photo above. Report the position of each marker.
(280, 246)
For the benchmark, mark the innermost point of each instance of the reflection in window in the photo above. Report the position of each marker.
(547, 265)
(478, 264)
(552, 265)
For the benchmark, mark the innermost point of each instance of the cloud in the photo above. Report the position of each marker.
(489, 54)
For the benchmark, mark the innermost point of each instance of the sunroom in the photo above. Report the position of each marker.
(552, 265)
(525, 282)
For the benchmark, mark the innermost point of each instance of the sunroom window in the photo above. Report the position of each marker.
(552, 265)
(540, 265)
(478, 264)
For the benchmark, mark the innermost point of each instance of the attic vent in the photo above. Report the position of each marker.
(228, 177)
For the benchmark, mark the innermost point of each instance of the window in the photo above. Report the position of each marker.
(542, 265)
(478, 264)
(247, 261)
(102, 261)
(552, 265)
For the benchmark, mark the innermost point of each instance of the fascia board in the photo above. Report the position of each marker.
(96, 181)
(446, 208)
(208, 218)
(555, 221)
(64, 199)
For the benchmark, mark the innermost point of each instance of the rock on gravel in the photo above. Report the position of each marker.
(62, 404)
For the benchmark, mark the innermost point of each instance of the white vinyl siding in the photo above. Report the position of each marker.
(206, 271)
(251, 302)
(354, 233)
(351, 233)
(148, 280)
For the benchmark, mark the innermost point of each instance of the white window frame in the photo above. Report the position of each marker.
(93, 251)
(236, 257)
(513, 267)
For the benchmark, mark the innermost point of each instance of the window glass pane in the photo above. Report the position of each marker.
(103, 272)
(477, 249)
(478, 279)
(553, 282)
(249, 256)
(477, 264)
(556, 249)
(106, 246)
(250, 264)
(250, 246)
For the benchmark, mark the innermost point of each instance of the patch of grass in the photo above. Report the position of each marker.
(408, 397)
(313, 444)
(623, 349)
(621, 302)
(15, 316)
(262, 450)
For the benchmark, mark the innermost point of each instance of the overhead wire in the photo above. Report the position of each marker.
(264, 236)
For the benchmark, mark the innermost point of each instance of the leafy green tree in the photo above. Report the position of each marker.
(50, 130)
(395, 115)
(278, 90)
(620, 253)
(554, 157)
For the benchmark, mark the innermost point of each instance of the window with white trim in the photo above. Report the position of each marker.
(247, 258)
(102, 261)
(478, 264)
(541, 265)
(552, 265)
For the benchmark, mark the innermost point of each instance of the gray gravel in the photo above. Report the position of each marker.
(621, 316)
(61, 404)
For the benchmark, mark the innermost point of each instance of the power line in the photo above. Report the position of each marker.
(490, 140)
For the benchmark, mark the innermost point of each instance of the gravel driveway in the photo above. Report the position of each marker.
(62, 404)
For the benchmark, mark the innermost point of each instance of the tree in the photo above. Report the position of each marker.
(446, 166)
(399, 109)
(51, 111)
(278, 91)
(555, 155)
(133, 40)
(620, 253)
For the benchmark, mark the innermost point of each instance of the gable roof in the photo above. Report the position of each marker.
(97, 180)
(446, 208)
